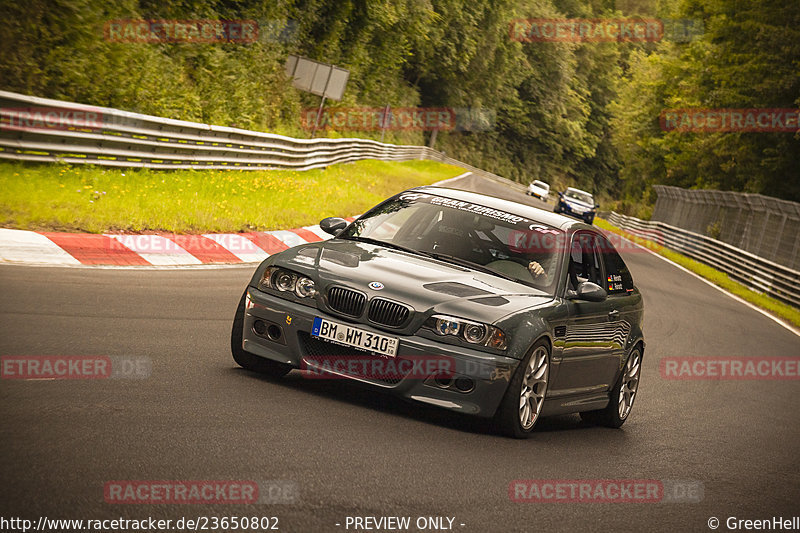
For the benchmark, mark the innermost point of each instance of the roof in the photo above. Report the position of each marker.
(579, 190)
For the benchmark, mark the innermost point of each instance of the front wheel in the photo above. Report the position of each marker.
(621, 402)
(247, 360)
(522, 404)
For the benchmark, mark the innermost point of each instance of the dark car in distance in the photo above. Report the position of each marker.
(458, 300)
(576, 203)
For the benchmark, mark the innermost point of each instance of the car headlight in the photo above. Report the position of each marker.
(472, 332)
(284, 280)
(475, 333)
(305, 287)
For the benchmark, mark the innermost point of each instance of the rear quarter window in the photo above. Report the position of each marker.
(618, 278)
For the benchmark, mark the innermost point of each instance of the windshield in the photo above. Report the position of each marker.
(541, 185)
(579, 196)
(466, 234)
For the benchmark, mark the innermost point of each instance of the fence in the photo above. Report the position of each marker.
(765, 226)
(757, 273)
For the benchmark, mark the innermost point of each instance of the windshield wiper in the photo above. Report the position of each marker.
(377, 242)
(469, 264)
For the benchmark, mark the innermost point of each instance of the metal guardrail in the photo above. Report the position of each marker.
(75, 133)
(113, 137)
(756, 273)
(123, 139)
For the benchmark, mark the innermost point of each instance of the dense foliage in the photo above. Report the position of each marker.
(584, 114)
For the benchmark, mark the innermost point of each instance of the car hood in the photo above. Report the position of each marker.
(421, 282)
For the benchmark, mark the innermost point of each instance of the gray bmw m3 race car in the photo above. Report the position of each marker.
(459, 300)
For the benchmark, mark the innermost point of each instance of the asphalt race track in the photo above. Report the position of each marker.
(353, 452)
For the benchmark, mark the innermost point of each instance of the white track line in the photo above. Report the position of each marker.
(767, 314)
(239, 246)
(29, 247)
(287, 237)
(448, 180)
(316, 230)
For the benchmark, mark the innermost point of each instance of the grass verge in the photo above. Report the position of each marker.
(721, 279)
(83, 198)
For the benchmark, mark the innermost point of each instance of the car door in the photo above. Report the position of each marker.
(590, 355)
(624, 300)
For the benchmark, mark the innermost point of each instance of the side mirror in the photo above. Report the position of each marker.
(333, 225)
(591, 292)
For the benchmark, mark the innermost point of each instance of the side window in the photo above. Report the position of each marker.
(584, 264)
(618, 277)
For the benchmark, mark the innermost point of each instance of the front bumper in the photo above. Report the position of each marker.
(538, 195)
(490, 374)
(585, 215)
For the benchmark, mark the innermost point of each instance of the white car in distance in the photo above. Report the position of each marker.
(539, 189)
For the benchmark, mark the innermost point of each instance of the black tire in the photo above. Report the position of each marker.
(610, 416)
(590, 220)
(508, 417)
(247, 360)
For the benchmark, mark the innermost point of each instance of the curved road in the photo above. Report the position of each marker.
(352, 452)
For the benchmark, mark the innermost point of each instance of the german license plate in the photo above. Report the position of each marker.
(355, 337)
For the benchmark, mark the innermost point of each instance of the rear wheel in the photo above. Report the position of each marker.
(621, 402)
(246, 359)
(522, 404)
